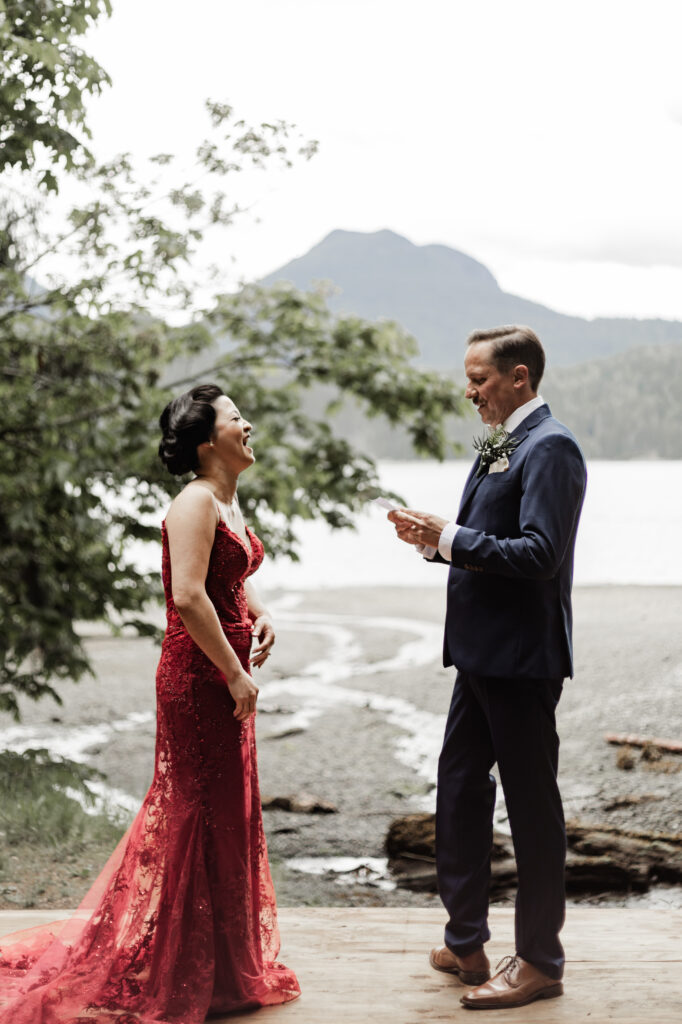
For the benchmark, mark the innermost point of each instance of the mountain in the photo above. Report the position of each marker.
(440, 295)
(616, 383)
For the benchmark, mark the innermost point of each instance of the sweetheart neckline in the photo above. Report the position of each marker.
(247, 547)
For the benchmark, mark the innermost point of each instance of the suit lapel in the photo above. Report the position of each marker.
(470, 486)
(470, 483)
(521, 432)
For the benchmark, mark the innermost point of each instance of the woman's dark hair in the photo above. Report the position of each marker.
(187, 422)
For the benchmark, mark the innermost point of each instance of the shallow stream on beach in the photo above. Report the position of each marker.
(352, 709)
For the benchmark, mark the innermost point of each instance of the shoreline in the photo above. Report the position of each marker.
(351, 710)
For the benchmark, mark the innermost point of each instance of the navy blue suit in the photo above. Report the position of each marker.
(508, 632)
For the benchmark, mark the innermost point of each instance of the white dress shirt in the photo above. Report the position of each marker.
(450, 529)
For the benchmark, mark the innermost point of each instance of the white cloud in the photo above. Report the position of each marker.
(516, 132)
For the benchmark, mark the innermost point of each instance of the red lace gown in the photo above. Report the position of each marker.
(182, 921)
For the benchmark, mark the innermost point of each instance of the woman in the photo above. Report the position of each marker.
(182, 921)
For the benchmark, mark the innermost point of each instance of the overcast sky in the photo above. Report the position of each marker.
(543, 139)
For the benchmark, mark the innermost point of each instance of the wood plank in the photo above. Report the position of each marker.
(358, 965)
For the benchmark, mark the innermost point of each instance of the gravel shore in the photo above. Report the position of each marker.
(353, 704)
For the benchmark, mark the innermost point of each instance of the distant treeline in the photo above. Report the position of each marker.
(627, 406)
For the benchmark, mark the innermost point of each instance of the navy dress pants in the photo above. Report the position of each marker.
(511, 722)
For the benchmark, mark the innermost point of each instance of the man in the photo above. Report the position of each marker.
(508, 633)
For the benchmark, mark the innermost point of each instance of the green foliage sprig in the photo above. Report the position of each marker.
(44, 79)
(47, 801)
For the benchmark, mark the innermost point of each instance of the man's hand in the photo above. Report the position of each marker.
(417, 527)
(263, 632)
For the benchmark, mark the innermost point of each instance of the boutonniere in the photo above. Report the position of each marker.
(495, 449)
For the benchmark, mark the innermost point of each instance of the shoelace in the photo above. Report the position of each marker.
(506, 964)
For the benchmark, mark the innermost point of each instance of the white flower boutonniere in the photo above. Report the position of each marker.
(499, 466)
(495, 450)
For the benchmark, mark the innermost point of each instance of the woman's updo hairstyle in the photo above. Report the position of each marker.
(187, 422)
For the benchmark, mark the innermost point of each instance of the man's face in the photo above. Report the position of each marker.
(491, 390)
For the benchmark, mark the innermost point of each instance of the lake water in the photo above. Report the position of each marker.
(630, 531)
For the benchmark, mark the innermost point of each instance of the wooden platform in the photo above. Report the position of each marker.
(369, 966)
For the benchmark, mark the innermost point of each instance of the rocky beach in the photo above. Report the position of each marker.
(351, 713)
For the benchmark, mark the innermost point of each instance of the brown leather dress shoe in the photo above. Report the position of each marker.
(516, 984)
(472, 969)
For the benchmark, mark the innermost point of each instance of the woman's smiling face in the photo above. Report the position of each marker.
(230, 435)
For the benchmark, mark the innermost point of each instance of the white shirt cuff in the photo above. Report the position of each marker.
(445, 540)
(444, 544)
(425, 550)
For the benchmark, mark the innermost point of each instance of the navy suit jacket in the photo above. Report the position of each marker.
(509, 588)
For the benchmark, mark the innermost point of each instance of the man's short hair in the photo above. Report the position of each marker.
(514, 345)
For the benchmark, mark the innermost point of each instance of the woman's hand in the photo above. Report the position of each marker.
(264, 632)
(244, 693)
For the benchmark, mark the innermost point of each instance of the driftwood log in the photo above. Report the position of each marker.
(600, 858)
(631, 740)
(298, 803)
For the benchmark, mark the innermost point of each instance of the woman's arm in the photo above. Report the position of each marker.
(190, 525)
(262, 629)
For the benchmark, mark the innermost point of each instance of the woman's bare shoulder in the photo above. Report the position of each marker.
(194, 502)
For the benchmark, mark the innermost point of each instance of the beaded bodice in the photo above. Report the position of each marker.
(230, 564)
